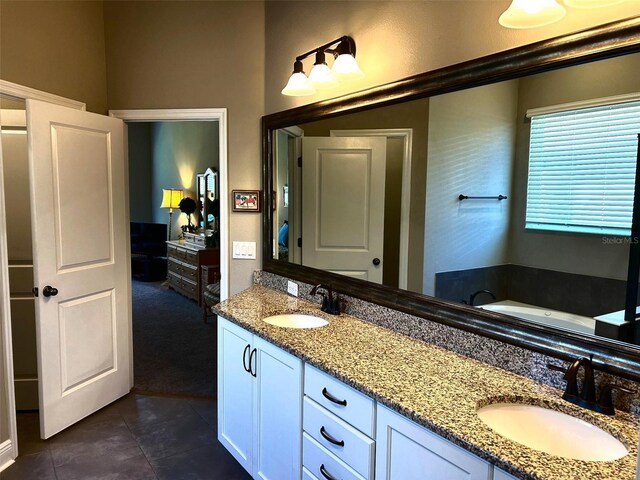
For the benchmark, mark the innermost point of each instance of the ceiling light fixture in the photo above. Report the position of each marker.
(531, 13)
(321, 76)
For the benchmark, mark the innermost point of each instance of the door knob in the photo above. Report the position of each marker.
(49, 291)
(376, 261)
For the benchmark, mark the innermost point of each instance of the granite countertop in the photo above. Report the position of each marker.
(432, 386)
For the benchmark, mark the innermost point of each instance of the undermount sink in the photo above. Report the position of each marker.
(296, 320)
(552, 432)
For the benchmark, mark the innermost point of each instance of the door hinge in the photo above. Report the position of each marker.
(300, 161)
(300, 242)
(34, 290)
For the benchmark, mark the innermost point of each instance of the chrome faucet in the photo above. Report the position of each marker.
(473, 296)
(330, 304)
(586, 397)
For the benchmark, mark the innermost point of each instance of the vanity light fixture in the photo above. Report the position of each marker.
(321, 76)
(531, 13)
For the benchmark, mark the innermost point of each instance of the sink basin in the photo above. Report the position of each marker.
(296, 320)
(552, 432)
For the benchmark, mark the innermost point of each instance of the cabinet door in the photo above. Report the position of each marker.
(502, 475)
(407, 451)
(235, 392)
(278, 414)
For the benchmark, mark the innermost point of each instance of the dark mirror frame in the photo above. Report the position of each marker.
(602, 42)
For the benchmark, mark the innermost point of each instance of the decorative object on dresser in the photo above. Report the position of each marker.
(188, 206)
(171, 199)
(246, 201)
(184, 261)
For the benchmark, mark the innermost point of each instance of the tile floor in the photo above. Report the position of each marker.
(139, 437)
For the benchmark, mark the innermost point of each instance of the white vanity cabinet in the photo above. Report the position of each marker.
(406, 450)
(502, 475)
(259, 404)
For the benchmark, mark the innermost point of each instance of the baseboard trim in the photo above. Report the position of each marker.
(6, 454)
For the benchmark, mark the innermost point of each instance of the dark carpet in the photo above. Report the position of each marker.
(174, 351)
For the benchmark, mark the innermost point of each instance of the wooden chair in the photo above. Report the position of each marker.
(210, 282)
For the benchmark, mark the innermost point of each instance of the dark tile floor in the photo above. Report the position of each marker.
(139, 437)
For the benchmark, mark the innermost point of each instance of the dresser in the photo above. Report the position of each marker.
(184, 266)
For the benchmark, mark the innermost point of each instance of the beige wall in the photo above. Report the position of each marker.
(398, 39)
(57, 47)
(197, 55)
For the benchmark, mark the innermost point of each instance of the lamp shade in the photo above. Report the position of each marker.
(321, 76)
(345, 67)
(298, 86)
(591, 3)
(531, 13)
(171, 198)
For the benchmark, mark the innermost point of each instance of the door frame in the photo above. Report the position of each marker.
(295, 193)
(9, 448)
(198, 114)
(406, 135)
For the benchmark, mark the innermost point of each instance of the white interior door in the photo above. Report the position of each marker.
(79, 218)
(343, 182)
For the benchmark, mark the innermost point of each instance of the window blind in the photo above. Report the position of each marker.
(582, 165)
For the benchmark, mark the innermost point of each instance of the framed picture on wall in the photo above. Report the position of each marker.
(246, 200)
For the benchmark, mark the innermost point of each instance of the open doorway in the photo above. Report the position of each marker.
(176, 161)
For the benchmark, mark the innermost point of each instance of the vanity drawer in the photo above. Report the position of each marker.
(355, 448)
(307, 475)
(354, 407)
(316, 459)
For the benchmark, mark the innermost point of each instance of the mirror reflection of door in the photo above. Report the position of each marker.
(343, 189)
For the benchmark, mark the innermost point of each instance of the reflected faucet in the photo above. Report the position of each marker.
(473, 296)
(330, 304)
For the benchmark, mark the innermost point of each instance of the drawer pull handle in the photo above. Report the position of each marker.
(333, 399)
(244, 358)
(326, 474)
(329, 438)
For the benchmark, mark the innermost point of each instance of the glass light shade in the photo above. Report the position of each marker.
(345, 67)
(591, 3)
(171, 198)
(322, 77)
(298, 86)
(531, 13)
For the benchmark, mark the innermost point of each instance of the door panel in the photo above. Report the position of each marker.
(88, 343)
(81, 158)
(278, 419)
(80, 228)
(343, 204)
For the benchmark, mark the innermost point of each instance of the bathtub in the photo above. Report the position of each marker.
(555, 318)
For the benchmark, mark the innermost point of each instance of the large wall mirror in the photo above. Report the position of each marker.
(496, 196)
